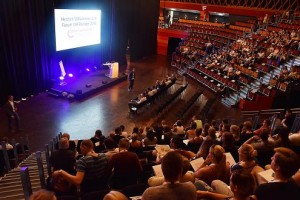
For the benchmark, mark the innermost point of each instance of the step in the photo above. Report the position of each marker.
(11, 186)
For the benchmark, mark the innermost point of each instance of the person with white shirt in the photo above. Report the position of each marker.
(12, 114)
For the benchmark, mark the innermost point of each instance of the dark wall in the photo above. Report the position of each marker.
(28, 60)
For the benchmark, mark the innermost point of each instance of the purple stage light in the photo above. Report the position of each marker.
(87, 69)
(70, 75)
(61, 78)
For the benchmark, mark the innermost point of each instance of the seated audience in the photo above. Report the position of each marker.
(209, 140)
(150, 139)
(72, 144)
(214, 166)
(228, 145)
(124, 166)
(98, 140)
(91, 169)
(246, 133)
(281, 139)
(285, 163)
(110, 147)
(247, 155)
(63, 158)
(288, 119)
(265, 125)
(186, 175)
(172, 168)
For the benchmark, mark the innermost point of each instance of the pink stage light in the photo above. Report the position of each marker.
(61, 78)
(87, 69)
(70, 75)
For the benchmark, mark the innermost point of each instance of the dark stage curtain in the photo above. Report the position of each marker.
(28, 61)
(25, 50)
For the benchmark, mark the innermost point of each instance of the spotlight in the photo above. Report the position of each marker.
(64, 94)
(70, 75)
(87, 69)
(61, 78)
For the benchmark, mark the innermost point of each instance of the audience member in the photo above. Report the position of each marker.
(285, 163)
(247, 155)
(265, 125)
(124, 166)
(98, 140)
(110, 147)
(214, 167)
(172, 167)
(91, 169)
(72, 144)
(63, 158)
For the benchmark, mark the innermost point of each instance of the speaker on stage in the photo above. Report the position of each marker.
(78, 92)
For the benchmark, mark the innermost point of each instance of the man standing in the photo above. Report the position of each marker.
(131, 78)
(11, 112)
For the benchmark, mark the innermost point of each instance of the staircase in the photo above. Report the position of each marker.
(234, 97)
(10, 184)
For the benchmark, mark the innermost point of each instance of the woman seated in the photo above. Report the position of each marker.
(214, 167)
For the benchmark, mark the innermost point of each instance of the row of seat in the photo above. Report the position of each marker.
(134, 106)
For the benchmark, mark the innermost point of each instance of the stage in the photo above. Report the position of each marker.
(84, 85)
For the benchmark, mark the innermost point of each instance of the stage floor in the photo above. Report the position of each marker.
(86, 84)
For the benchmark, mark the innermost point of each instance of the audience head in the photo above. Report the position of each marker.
(235, 130)
(247, 125)
(115, 195)
(216, 153)
(124, 144)
(118, 131)
(135, 129)
(63, 143)
(225, 127)
(150, 135)
(283, 136)
(198, 132)
(285, 162)
(212, 132)
(86, 147)
(267, 122)
(98, 133)
(179, 123)
(264, 134)
(43, 195)
(247, 153)
(66, 135)
(242, 184)
(193, 125)
(227, 139)
(122, 127)
(176, 142)
(4, 139)
(172, 166)
(109, 143)
(10, 98)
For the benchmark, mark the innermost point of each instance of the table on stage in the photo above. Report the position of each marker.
(113, 69)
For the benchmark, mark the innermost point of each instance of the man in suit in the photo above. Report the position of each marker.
(131, 78)
(12, 114)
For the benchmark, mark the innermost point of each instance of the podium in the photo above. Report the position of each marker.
(113, 69)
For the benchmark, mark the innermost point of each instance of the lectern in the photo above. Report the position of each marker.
(113, 69)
